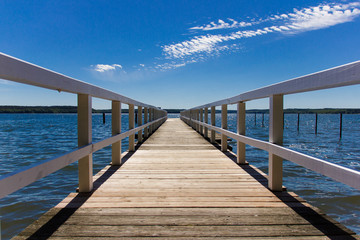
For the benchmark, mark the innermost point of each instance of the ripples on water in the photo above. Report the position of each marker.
(336, 199)
(29, 138)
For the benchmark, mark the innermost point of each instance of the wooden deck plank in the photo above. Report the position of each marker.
(193, 231)
(179, 186)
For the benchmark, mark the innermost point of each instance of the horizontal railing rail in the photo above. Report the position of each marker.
(342, 174)
(13, 69)
(341, 76)
(14, 181)
(17, 70)
(197, 118)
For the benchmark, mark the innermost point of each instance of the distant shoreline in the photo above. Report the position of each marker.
(73, 109)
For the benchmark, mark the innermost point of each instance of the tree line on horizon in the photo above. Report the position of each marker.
(73, 109)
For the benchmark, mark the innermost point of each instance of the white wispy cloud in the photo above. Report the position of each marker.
(322, 16)
(105, 67)
(229, 35)
(207, 43)
(109, 72)
(169, 66)
(306, 19)
(221, 24)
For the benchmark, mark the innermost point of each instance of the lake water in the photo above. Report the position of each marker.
(28, 138)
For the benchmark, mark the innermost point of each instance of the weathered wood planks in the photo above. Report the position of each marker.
(179, 186)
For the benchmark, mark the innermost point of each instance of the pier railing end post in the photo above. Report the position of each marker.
(224, 126)
(276, 129)
(241, 126)
(85, 164)
(213, 111)
(139, 120)
(116, 129)
(131, 126)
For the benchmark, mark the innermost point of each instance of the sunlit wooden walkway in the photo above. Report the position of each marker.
(179, 186)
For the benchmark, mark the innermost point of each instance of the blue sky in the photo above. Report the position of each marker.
(180, 54)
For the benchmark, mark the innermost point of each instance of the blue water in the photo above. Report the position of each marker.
(338, 200)
(28, 138)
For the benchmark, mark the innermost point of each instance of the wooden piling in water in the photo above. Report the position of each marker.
(316, 122)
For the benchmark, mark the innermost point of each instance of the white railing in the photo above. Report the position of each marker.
(19, 71)
(197, 118)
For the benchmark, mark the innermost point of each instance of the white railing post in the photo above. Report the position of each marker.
(223, 126)
(206, 113)
(139, 120)
(131, 126)
(116, 129)
(213, 110)
(192, 113)
(241, 126)
(151, 118)
(198, 118)
(201, 120)
(85, 138)
(197, 127)
(190, 117)
(146, 130)
(157, 117)
(275, 136)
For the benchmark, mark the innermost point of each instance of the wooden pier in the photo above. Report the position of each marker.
(177, 185)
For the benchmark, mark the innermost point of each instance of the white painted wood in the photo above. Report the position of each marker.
(241, 127)
(342, 174)
(150, 119)
(201, 120)
(151, 128)
(20, 71)
(146, 130)
(108, 141)
(192, 113)
(340, 76)
(213, 112)
(276, 114)
(116, 129)
(85, 138)
(139, 123)
(14, 181)
(206, 118)
(131, 126)
(17, 70)
(157, 125)
(223, 126)
(197, 119)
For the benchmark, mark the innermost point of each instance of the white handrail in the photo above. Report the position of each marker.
(20, 71)
(14, 181)
(345, 75)
(339, 173)
(17, 70)
(341, 76)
